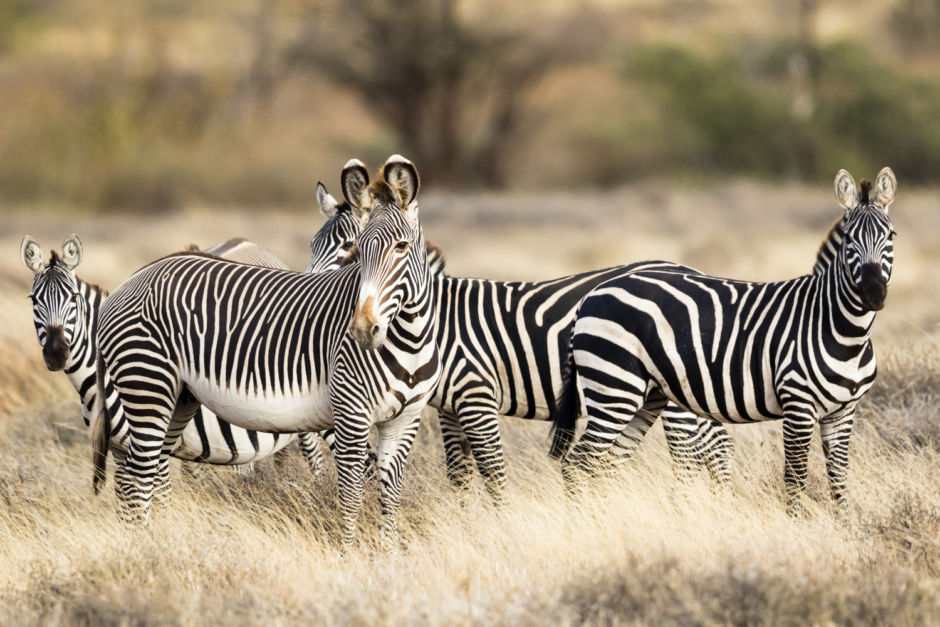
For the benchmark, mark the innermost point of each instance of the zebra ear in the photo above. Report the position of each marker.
(403, 176)
(71, 252)
(885, 187)
(355, 180)
(31, 254)
(845, 189)
(326, 201)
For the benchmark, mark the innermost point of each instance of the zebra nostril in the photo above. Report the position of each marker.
(375, 329)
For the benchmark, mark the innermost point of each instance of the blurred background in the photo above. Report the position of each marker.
(161, 104)
(551, 137)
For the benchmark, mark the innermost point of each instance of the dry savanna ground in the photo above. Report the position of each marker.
(237, 548)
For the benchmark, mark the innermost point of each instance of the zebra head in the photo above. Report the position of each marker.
(867, 252)
(392, 254)
(334, 245)
(56, 298)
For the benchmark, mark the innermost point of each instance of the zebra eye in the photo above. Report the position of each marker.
(402, 246)
(347, 245)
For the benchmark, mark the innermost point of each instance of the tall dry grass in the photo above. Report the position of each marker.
(263, 547)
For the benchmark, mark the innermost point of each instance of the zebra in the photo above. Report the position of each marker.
(282, 351)
(501, 345)
(736, 351)
(65, 314)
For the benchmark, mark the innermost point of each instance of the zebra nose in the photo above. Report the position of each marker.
(55, 351)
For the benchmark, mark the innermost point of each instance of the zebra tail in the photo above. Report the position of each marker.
(567, 410)
(101, 431)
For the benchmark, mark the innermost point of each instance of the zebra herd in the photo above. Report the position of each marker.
(221, 356)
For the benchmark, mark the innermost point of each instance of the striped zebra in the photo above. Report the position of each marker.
(501, 345)
(65, 314)
(737, 351)
(282, 351)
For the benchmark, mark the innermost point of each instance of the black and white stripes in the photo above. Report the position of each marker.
(271, 347)
(737, 351)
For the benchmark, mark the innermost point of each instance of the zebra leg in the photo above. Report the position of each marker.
(186, 407)
(350, 449)
(696, 442)
(310, 446)
(133, 480)
(616, 414)
(628, 441)
(836, 431)
(798, 424)
(329, 440)
(482, 430)
(161, 482)
(456, 452)
(395, 439)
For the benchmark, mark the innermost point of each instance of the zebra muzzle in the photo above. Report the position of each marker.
(873, 286)
(366, 328)
(55, 351)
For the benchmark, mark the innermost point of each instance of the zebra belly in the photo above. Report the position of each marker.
(297, 411)
(218, 450)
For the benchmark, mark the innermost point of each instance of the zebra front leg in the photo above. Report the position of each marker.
(456, 452)
(395, 439)
(350, 447)
(798, 424)
(836, 431)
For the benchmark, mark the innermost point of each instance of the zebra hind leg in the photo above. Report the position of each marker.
(311, 446)
(456, 453)
(482, 430)
(395, 439)
(617, 415)
(695, 443)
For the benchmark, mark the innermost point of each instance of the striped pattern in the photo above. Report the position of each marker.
(283, 351)
(62, 299)
(737, 351)
(502, 345)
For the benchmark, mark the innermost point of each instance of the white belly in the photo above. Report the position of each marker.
(291, 412)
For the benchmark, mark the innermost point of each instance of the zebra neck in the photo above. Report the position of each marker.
(829, 249)
(843, 317)
(80, 367)
(415, 322)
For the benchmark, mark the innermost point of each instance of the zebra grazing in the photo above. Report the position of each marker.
(66, 312)
(737, 351)
(501, 345)
(282, 351)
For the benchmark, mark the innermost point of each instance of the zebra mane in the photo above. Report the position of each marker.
(383, 192)
(832, 229)
(54, 259)
(436, 259)
(864, 191)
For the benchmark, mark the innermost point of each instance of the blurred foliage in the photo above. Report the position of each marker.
(165, 103)
(723, 114)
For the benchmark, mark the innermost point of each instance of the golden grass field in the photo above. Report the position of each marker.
(263, 548)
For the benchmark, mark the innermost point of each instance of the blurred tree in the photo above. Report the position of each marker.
(455, 91)
(915, 24)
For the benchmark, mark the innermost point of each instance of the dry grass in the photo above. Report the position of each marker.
(263, 548)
